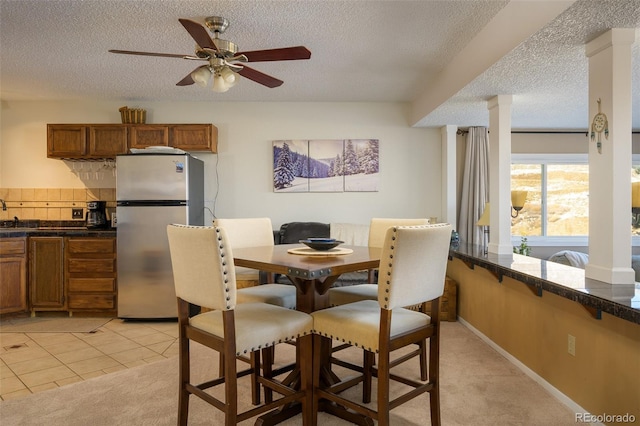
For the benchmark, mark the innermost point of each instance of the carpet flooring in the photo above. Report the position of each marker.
(478, 387)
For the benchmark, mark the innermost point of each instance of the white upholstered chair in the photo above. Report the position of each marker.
(204, 275)
(355, 293)
(412, 271)
(256, 232)
(377, 231)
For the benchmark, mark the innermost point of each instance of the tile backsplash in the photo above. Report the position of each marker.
(52, 203)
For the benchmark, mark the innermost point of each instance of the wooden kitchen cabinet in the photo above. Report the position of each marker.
(107, 141)
(66, 140)
(46, 274)
(91, 141)
(144, 135)
(90, 270)
(13, 270)
(194, 137)
(188, 137)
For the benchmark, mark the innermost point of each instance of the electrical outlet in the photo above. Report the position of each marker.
(76, 214)
(572, 345)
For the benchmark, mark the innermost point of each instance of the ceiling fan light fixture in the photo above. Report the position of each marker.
(223, 57)
(201, 76)
(219, 84)
(230, 77)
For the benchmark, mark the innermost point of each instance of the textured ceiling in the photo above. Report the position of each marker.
(362, 51)
(548, 73)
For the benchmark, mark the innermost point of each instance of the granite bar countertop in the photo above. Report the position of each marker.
(619, 300)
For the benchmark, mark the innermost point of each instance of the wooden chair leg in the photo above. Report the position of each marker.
(367, 364)
(383, 389)
(267, 371)
(434, 377)
(184, 362)
(255, 384)
(183, 399)
(424, 372)
(221, 366)
(305, 345)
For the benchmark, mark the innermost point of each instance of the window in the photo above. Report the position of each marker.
(558, 195)
(557, 202)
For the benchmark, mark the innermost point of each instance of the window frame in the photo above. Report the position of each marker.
(543, 160)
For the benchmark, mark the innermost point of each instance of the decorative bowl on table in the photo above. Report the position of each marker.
(321, 244)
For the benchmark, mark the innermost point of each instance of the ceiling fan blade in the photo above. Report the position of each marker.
(198, 33)
(187, 81)
(165, 55)
(282, 54)
(259, 77)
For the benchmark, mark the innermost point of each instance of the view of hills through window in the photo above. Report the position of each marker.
(566, 187)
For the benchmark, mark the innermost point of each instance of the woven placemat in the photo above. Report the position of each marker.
(307, 251)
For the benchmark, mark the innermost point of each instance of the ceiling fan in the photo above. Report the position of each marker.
(224, 62)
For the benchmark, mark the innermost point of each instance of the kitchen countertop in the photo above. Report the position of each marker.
(57, 232)
(51, 228)
(619, 300)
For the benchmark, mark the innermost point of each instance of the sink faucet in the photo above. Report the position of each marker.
(15, 221)
(4, 205)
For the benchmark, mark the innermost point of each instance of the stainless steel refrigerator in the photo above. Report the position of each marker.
(152, 191)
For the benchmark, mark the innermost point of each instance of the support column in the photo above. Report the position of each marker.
(609, 168)
(449, 198)
(500, 174)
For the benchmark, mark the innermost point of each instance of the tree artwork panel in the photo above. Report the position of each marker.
(290, 166)
(361, 165)
(326, 165)
(326, 175)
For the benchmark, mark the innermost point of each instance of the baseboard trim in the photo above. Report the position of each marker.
(564, 399)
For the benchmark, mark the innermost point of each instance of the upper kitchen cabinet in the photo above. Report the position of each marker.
(86, 141)
(189, 137)
(66, 140)
(91, 141)
(194, 137)
(107, 141)
(144, 135)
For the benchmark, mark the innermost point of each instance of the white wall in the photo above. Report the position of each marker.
(241, 172)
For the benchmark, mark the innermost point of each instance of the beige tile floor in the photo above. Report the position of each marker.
(33, 362)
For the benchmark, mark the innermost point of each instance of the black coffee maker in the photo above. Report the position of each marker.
(96, 214)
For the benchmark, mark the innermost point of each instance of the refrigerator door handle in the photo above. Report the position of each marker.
(151, 203)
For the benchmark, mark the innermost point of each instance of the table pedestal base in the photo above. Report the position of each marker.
(277, 416)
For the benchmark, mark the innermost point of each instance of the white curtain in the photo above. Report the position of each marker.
(475, 185)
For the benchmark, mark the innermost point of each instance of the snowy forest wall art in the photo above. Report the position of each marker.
(341, 165)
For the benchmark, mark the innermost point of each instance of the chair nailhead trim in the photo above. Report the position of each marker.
(224, 267)
(390, 265)
(341, 339)
(266, 345)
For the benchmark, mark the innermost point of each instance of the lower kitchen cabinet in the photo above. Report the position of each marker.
(46, 274)
(90, 270)
(74, 274)
(13, 271)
